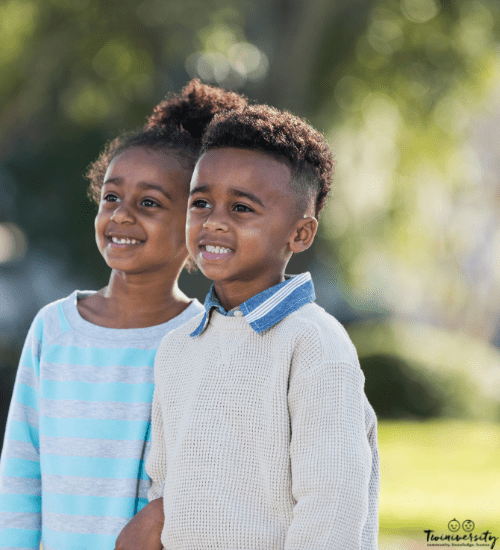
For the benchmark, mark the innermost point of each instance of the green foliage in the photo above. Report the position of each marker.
(73, 75)
(8, 357)
(91, 63)
(410, 218)
(398, 390)
(398, 85)
(418, 371)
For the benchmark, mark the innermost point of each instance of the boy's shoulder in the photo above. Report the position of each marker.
(184, 330)
(320, 333)
(312, 314)
(309, 329)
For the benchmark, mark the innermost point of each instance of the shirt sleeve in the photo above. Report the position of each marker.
(20, 478)
(331, 458)
(156, 461)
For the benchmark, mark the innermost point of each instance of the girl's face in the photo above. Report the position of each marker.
(140, 225)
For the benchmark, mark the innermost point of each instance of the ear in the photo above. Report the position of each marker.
(303, 234)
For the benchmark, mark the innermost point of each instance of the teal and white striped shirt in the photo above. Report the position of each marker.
(72, 467)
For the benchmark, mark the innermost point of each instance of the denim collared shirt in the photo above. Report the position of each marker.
(267, 308)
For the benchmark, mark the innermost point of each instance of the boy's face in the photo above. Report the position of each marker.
(241, 219)
(141, 219)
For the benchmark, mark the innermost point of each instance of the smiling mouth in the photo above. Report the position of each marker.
(123, 241)
(210, 252)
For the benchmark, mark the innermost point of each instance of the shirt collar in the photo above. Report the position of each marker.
(270, 306)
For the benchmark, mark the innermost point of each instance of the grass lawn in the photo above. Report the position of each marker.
(436, 471)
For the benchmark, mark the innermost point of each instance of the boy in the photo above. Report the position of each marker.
(262, 436)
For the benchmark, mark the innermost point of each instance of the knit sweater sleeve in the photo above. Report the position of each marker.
(20, 478)
(330, 457)
(156, 461)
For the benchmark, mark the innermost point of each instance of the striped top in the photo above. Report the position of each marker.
(267, 308)
(78, 431)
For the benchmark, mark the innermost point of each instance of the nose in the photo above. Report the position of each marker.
(216, 223)
(122, 214)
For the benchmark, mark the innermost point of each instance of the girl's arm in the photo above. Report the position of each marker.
(20, 478)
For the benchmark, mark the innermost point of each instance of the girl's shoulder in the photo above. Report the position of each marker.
(52, 320)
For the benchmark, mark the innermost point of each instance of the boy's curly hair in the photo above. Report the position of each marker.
(287, 138)
(177, 124)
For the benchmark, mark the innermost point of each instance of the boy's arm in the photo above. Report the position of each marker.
(143, 531)
(331, 458)
(156, 461)
(20, 477)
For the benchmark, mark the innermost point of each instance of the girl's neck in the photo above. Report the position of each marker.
(133, 302)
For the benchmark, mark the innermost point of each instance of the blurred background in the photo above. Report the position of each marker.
(407, 93)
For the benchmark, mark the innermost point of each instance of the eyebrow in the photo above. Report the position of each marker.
(233, 191)
(142, 185)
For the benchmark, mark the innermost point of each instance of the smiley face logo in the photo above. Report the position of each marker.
(454, 525)
(468, 525)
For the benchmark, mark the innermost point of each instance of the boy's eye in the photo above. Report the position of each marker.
(149, 203)
(200, 203)
(242, 208)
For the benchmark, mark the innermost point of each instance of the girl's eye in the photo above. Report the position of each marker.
(110, 197)
(200, 203)
(149, 202)
(242, 208)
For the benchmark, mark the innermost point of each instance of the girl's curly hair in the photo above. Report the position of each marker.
(177, 124)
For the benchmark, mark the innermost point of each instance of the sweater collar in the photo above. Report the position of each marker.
(269, 307)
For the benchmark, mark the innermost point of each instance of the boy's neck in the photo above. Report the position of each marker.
(233, 293)
(133, 302)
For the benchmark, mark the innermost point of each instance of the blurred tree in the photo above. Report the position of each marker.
(415, 223)
(74, 74)
(398, 86)
(396, 390)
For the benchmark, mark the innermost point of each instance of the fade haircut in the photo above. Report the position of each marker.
(285, 137)
(176, 125)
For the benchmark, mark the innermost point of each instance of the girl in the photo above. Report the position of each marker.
(72, 470)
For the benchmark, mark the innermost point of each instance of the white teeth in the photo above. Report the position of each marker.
(217, 249)
(116, 240)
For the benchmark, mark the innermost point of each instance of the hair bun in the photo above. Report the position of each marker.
(194, 108)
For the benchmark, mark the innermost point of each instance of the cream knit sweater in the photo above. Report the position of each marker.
(264, 441)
